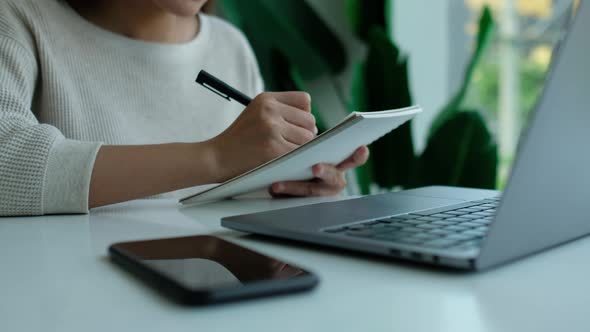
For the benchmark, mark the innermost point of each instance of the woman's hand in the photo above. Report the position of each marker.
(273, 124)
(329, 179)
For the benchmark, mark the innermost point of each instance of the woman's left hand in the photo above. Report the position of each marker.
(329, 179)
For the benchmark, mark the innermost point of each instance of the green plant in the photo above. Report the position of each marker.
(293, 45)
(381, 82)
(460, 150)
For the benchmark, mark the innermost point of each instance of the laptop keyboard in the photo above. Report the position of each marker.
(461, 226)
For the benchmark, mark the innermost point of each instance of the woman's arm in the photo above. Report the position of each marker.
(123, 173)
(273, 124)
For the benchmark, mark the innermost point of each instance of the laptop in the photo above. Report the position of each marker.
(543, 205)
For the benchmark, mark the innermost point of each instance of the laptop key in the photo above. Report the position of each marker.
(427, 226)
(455, 213)
(470, 216)
(414, 221)
(412, 230)
(428, 219)
(442, 223)
(442, 215)
(397, 224)
(457, 219)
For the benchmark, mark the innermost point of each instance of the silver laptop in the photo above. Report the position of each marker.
(544, 204)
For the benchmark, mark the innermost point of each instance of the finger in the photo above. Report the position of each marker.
(297, 99)
(302, 119)
(329, 175)
(303, 189)
(358, 158)
(296, 135)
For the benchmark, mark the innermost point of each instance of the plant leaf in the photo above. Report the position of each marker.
(294, 28)
(462, 152)
(485, 34)
(387, 87)
(358, 102)
(364, 15)
(364, 173)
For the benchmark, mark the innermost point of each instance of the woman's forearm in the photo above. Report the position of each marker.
(123, 173)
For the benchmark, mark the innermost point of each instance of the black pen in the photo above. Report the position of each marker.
(221, 88)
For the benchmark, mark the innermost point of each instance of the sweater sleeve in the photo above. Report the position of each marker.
(41, 172)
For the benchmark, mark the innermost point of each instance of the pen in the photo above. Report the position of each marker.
(221, 88)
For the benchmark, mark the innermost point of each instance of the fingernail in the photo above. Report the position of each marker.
(278, 187)
(315, 130)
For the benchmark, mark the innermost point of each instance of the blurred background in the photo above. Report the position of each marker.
(477, 67)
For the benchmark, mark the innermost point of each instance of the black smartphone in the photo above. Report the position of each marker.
(199, 270)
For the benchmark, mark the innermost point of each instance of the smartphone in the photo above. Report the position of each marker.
(200, 270)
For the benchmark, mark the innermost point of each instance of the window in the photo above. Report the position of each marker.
(510, 77)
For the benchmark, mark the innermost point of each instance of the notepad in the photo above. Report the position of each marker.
(331, 147)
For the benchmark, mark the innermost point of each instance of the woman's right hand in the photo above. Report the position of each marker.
(273, 124)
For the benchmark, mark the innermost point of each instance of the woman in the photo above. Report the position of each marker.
(98, 106)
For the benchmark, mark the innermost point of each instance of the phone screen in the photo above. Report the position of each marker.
(207, 262)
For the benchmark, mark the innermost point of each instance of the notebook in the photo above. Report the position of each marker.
(332, 147)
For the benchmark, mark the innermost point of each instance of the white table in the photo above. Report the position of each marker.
(55, 276)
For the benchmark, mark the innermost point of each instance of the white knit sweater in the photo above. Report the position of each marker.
(68, 86)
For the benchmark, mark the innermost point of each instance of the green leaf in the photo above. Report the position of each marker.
(364, 173)
(386, 86)
(364, 15)
(293, 28)
(358, 102)
(462, 152)
(485, 34)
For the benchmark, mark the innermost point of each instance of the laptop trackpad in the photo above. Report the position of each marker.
(313, 217)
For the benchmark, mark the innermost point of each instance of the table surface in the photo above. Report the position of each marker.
(55, 276)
